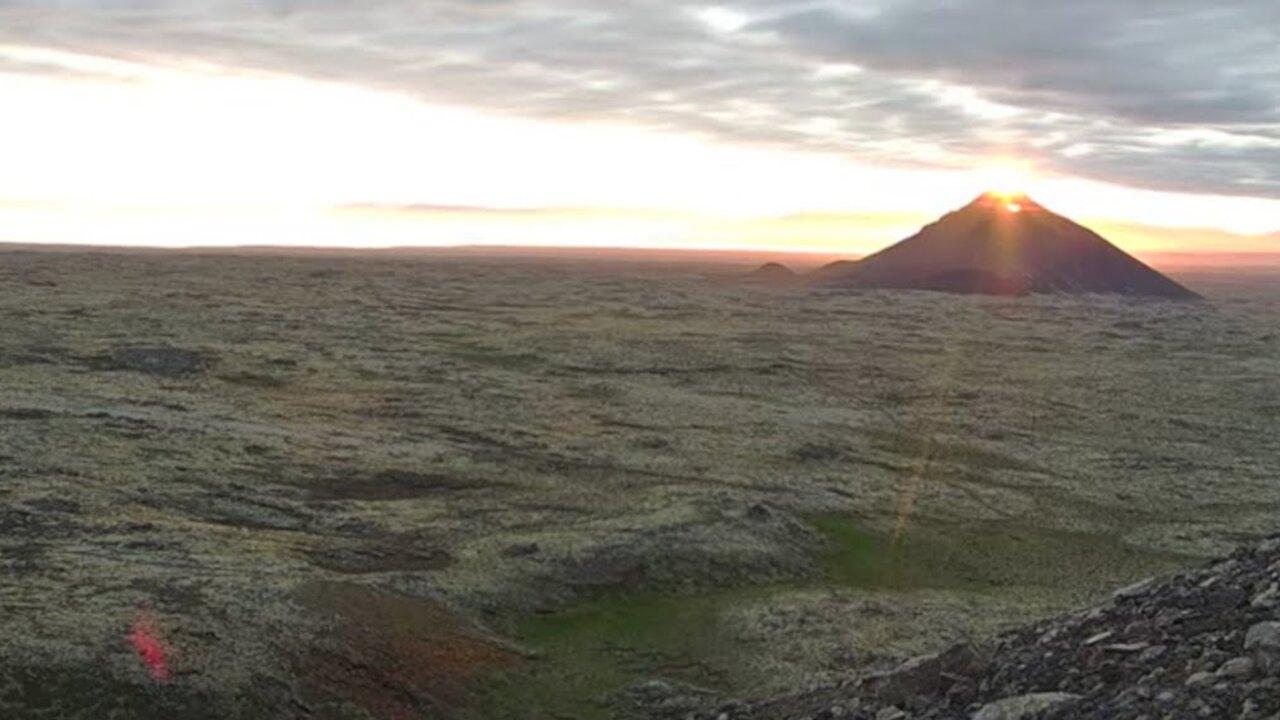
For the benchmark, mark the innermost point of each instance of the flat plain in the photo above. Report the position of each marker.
(402, 486)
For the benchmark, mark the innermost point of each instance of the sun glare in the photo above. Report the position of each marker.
(1005, 180)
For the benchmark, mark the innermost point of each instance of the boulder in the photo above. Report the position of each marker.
(1262, 641)
(1237, 668)
(930, 674)
(1023, 706)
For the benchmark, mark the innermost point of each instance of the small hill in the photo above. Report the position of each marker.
(773, 273)
(1004, 245)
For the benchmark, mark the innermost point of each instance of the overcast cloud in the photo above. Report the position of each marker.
(1174, 94)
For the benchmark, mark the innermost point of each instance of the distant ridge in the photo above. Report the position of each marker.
(1004, 245)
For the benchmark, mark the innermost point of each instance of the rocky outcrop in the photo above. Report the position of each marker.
(1203, 644)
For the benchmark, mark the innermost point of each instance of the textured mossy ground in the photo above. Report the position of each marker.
(550, 452)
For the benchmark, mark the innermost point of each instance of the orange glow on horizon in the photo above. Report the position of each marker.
(288, 161)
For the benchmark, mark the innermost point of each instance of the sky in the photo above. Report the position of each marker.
(783, 124)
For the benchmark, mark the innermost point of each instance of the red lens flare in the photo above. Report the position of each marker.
(150, 649)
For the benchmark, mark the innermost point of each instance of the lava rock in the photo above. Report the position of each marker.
(930, 674)
(1023, 706)
(1263, 640)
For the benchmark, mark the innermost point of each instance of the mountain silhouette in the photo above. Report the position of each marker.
(1003, 245)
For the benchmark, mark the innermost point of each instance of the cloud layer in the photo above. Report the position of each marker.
(1177, 94)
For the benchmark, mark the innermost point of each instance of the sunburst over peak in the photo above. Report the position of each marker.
(1006, 178)
(1006, 201)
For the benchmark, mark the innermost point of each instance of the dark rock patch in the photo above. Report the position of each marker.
(520, 550)
(26, 414)
(174, 595)
(32, 524)
(24, 558)
(390, 554)
(390, 485)
(53, 505)
(265, 381)
(37, 355)
(710, 554)
(165, 362)
(92, 692)
(817, 452)
(224, 508)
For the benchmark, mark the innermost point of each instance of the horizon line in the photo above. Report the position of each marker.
(817, 254)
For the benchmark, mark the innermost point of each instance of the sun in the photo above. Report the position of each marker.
(1007, 180)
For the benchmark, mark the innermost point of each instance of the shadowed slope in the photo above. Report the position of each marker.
(1004, 245)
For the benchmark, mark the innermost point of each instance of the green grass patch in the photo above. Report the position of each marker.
(599, 647)
(857, 558)
(978, 557)
(917, 559)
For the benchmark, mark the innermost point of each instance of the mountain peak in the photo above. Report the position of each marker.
(1013, 202)
(1005, 244)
